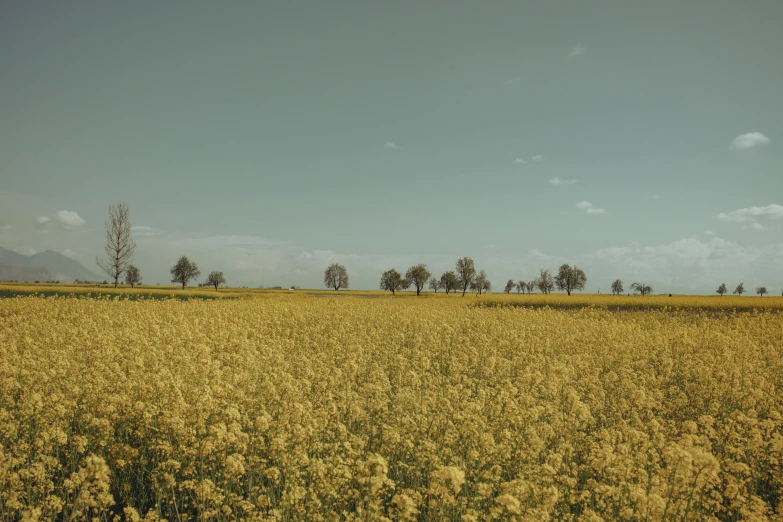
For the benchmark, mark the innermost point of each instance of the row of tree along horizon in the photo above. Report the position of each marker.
(120, 249)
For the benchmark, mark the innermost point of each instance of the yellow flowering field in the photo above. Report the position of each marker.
(292, 407)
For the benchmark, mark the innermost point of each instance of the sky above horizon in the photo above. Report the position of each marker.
(640, 141)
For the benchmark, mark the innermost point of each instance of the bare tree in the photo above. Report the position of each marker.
(570, 278)
(480, 283)
(449, 281)
(510, 285)
(722, 289)
(336, 276)
(418, 275)
(391, 280)
(132, 276)
(521, 286)
(487, 285)
(761, 290)
(466, 272)
(617, 287)
(545, 282)
(531, 285)
(740, 289)
(642, 288)
(215, 279)
(184, 271)
(119, 246)
(435, 284)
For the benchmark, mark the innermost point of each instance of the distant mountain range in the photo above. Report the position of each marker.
(43, 266)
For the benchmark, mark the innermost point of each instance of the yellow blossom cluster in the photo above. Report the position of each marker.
(301, 408)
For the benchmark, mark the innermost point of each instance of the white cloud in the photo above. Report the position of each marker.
(751, 139)
(538, 157)
(518, 161)
(688, 264)
(656, 197)
(25, 251)
(589, 208)
(391, 145)
(69, 218)
(491, 246)
(749, 214)
(577, 50)
(42, 220)
(540, 255)
(145, 231)
(557, 181)
(709, 232)
(757, 226)
(70, 253)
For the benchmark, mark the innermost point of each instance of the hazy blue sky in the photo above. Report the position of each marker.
(268, 139)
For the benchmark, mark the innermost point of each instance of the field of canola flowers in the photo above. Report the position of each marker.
(290, 407)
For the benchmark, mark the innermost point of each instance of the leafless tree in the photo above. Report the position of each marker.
(722, 289)
(740, 289)
(132, 276)
(761, 290)
(336, 276)
(570, 278)
(435, 284)
(521, 286)
(119, 246)
(545, 282)
(391, 280)
(215, 279)
(480, 283)
(184, 271)
(642, 288)
(449, 281)
(617, 287)
(418, 276)
(531, 285)
(510, 285)
(466, 272)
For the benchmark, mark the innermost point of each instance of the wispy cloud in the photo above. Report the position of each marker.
(518, 161)
(6, 227)
(749, 214)
(577, 50)
(709, 232)
(589, 208)
(391, 145)
(516, 80)
(557, 181)
(42, 220)
(749, 140)
(757, 226)
(538, 157)
(69, 218)
(146, 231)
(656, 197)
